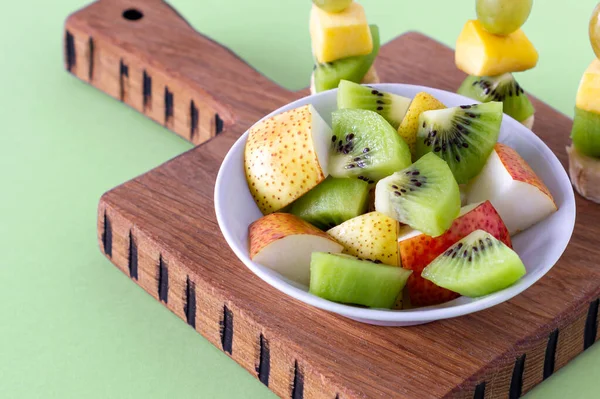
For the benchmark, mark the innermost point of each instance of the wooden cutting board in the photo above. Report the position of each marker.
(160, 229)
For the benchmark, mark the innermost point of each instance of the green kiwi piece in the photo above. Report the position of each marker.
(502, 88)
(332, 202)
(346, 279)
(424, 196)
(328, 76)
(365, 146)
(391, 106)
(586, 132)
(462, 136)
(477, 265)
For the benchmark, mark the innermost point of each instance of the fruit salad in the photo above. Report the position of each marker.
(584, 153)
(344, 45)
(493, 47)
(401, 202)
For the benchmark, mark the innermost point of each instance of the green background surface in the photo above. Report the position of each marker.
(72, 325)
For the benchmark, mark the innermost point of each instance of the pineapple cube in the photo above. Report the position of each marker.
(588, 94)
(481, 53)
(340, 35)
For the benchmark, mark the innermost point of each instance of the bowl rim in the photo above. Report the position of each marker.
(421, 314)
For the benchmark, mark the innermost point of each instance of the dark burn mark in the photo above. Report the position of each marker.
(168, 105)
(123, 73)
(190, 302)
(107, 236)
(550, 356)
(70, 51)
(264, 363)
(479, 391)
(90, 58)
(591, 325)
(194, 117)
(147, 90)
(516, 381)
(227, 330)
(163, 280)
(132, 260)
(298, 386)
(218, 124)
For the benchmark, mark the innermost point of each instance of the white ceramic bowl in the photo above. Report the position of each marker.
(539, 247)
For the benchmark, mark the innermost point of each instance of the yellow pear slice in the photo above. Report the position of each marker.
(285, 156)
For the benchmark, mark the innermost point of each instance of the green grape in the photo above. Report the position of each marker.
(503, 17)
(332, 5)
(595, 31)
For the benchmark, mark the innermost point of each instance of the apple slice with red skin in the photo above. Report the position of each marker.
(284, 242)
(417, 250)
(518, 194)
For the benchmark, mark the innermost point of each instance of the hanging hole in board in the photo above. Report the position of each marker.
(132, 14)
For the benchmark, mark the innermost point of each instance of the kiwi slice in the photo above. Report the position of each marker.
(502, 88)
(332, 202)
(346, 279)
(390, 106)
(477, 265)
(425, 196)
(462, 136)
(328, 76)
(586, 132)
(365, 146)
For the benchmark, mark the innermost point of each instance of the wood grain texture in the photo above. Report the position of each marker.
(161, 67)
(161, 226)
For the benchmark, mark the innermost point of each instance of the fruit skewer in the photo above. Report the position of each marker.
(584, 153)
(490, 49)
(344, 45)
